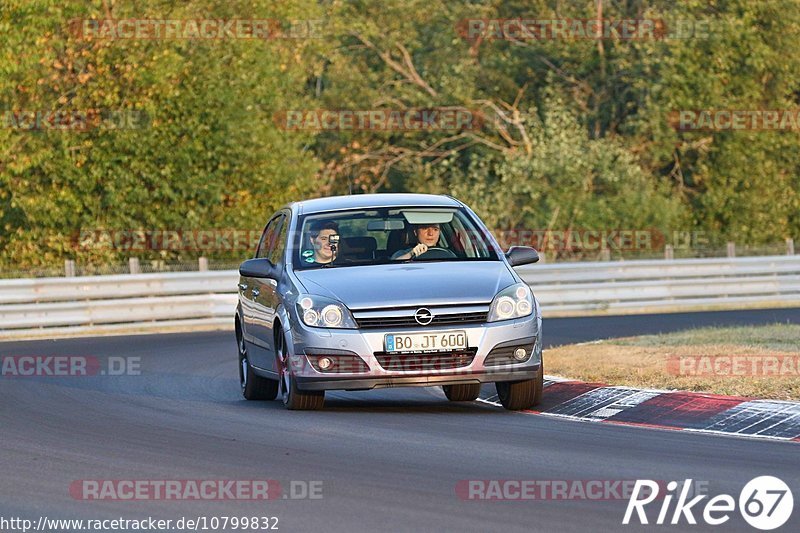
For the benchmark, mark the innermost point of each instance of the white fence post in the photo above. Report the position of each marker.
(202, 264)
(133, 265)
(669, 254)
(789, 246)
(731, 249)
(69, 268)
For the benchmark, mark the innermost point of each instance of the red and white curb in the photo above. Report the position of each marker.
(675, 410)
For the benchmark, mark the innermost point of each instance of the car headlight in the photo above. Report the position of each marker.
(321, 312)
(515, 301)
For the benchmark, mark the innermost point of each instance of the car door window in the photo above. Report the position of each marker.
(268, 237)
(278, 246)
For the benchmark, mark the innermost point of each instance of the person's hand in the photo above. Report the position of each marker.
(419, 250)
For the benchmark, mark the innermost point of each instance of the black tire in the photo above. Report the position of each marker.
(463, 392)
(517, 395)
(293, 398)
(254, 387)
(537, 397)
(297, 400)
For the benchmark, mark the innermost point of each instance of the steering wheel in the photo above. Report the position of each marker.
(436, 253)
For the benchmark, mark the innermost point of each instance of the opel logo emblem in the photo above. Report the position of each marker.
(423, 316)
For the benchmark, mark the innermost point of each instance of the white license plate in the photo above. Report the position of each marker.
(443, 341)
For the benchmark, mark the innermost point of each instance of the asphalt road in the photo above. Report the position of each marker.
(387, 460)
(559, 331)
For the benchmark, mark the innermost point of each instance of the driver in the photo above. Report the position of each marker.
(427, 236)
(320, 233)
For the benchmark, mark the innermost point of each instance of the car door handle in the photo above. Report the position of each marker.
(256, 292)
(243, 286)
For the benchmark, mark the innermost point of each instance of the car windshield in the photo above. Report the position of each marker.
(380, 236)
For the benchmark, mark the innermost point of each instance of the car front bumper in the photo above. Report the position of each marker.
(368, 344)
(328, 382)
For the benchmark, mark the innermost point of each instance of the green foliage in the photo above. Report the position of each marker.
(600, 154)
(204, 152)
(568, 181)
(576, 132)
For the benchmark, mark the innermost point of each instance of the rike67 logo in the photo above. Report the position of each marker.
(765, 503)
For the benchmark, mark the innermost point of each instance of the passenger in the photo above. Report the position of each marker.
(427, 237)
(320, 233)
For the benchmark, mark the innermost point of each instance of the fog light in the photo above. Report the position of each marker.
(325, 363)
(520, 354)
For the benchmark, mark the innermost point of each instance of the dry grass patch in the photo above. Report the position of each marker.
(645, 361)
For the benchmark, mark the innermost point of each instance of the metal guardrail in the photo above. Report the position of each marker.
(77, 304)
(654, 285)
(118, 302)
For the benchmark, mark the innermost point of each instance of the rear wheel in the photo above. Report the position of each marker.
(464, 392)
(253, 386)
(294, 398)
(517, 395)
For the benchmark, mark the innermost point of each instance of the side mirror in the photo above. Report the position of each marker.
(521, 255)
(257, 268)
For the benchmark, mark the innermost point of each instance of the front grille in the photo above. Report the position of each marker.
(428, 361)
(453, 319)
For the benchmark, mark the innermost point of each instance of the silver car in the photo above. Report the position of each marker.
(386, 290)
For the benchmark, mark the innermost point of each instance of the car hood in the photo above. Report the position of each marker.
(409, 284)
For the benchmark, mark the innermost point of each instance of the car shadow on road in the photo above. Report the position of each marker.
(401, 401)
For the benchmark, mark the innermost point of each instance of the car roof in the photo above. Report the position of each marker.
(365, 201)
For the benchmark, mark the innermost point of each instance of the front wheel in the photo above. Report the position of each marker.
(293, 398)
(253, 386)
(464, 392)
(517, 395)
